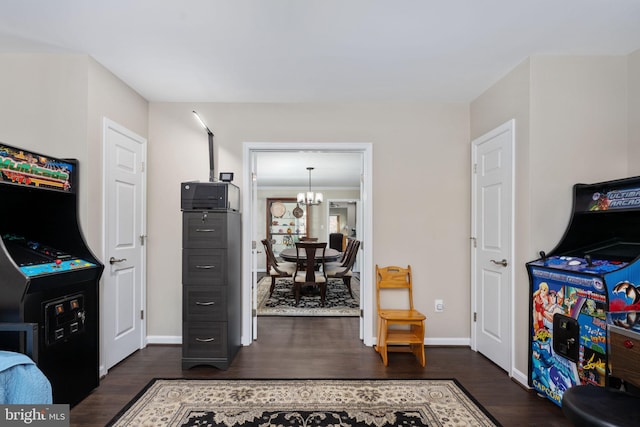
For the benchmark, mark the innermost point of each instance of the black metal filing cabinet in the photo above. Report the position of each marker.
(211, 287)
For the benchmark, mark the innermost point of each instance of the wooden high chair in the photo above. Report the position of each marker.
(398, 327)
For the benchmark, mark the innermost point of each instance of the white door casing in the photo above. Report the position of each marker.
(123, 301)
(366, 252)
(254, 249)
(492, 244)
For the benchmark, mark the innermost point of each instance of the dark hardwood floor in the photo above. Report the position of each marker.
(308, 347)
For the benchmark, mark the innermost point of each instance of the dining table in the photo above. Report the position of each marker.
(330, 255)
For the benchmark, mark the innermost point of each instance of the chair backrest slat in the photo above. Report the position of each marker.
(308, 264)
(352, 255)
(394, 277)
(272, 262)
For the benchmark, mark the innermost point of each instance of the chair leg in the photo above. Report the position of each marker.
(418, 349)
(296, 292)
(381, 346)
(273, 285)
(323, 292)
(383, 353)
(379, 341)
(347, 281)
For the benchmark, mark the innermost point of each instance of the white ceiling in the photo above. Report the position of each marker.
(316, 50)
(289, 169)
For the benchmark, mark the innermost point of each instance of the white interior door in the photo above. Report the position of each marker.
(124, 279)
(492, 249)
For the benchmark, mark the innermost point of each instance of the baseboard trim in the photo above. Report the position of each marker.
(455, 342)
(461, 342)
(521, 378)
(164, 339)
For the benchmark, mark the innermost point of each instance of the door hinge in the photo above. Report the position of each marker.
(474, 241)
(475, 316)
(142, 237)
(475, 168)
(141, 166)
(254, 313)
(361, 313)
(141, 314)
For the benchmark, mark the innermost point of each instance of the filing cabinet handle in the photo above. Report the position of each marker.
(205, 339)
(205, 267)
(205, 303)
(205, 230)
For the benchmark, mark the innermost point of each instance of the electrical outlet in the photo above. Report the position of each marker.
(439, 305)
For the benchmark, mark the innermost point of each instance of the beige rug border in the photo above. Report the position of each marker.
(174, 400)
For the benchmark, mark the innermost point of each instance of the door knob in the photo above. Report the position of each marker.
(112, 260)
(503, 263)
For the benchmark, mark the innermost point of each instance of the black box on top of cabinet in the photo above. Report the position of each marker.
(195, 195)
(211, 287)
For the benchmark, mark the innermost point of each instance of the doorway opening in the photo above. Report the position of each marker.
(254, 226)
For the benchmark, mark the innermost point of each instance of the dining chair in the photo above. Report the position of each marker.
(345, 255)
(276, 269)
(308, 239)
(398, 328)
(344, 271)
(306, 273)
(336, 241)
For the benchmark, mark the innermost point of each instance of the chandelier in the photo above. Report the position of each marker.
(310, 198)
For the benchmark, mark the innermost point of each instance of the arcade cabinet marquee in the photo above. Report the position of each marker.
(594, 270)
(48, 275)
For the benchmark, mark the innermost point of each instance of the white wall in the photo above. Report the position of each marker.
(578, 134)
(43, 108)
(108, 97)
(55, 104)
(571, 121)
(510, 98)
(420, 180)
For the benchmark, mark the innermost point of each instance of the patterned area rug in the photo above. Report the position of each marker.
(338, 302)
(380, 403)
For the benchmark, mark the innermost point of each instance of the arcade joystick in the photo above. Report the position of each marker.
(543, 256)
(589, 260)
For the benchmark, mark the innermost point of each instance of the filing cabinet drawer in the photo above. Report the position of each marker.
(204, 266)
(204, 339)
(204, 303)
(204, 230)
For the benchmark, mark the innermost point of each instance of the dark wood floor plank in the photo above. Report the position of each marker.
(308, 347)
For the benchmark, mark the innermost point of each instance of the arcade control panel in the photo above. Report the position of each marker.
(578, 264)
(35, 259)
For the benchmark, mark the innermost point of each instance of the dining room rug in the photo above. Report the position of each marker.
(338, 302)
(379, 403)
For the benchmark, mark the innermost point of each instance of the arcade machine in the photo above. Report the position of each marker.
(48, 275)
(594, 269)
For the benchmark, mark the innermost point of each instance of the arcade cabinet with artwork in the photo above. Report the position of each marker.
(48, 274)
(594, 269)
